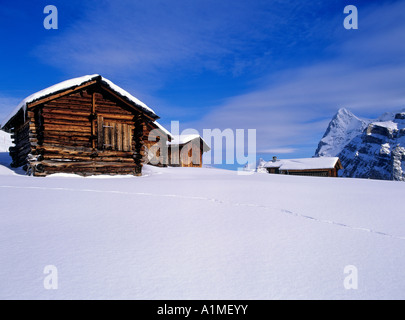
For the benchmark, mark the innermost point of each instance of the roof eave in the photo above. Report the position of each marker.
(9, 124)
(94, 80)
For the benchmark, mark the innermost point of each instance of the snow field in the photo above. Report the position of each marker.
(191, 233)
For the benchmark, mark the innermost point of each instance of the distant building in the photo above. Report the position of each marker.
(318, 167)
(187, 150)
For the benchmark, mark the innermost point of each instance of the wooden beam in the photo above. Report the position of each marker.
(100, 135)
(93, 120)
(107, 141)
(72, 128)
(113, 135)
(68, 150)
(125, 137)
(53, 112)
(110, 116)
(310, 170)
(88, 164)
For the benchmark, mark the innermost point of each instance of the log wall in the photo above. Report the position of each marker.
(87, 132)
(308, 172)
(22, 135)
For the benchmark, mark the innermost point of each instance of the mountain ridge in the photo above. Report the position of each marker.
(371, 149)
(343, 127)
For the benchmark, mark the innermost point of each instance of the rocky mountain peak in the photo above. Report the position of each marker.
(371, 149)
(343, 127)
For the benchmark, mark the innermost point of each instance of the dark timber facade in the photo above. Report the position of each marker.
(87, 129)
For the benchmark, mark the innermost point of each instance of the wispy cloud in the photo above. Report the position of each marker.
(365, 73)
(143, 45)
(151, 37)
(303, 65)
(278, 151)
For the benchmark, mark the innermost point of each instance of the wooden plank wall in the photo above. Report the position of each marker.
(22, 136)
(72, 128)
(66, 121)
(191, 154)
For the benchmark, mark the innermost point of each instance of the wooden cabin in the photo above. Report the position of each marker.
(318, 167)
(187, 150)
(86, 126)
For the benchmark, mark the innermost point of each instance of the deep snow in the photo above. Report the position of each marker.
(191, 233)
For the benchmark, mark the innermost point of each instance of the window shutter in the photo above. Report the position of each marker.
(114, 136)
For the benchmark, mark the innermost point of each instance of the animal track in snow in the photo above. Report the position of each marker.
(215, 200)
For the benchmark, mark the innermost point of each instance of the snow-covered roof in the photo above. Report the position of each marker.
(186, 138)
(68, 84)
(303, 164)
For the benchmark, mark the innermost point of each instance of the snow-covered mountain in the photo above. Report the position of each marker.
(343, 127)
(5, 141)
(373, 149)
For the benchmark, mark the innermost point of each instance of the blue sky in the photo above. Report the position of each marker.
(282, 67)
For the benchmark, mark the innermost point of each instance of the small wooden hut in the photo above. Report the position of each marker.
(187, 150)
(319, 166)
(86, 125)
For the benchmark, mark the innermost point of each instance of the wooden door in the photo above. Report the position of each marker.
(114, 135)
